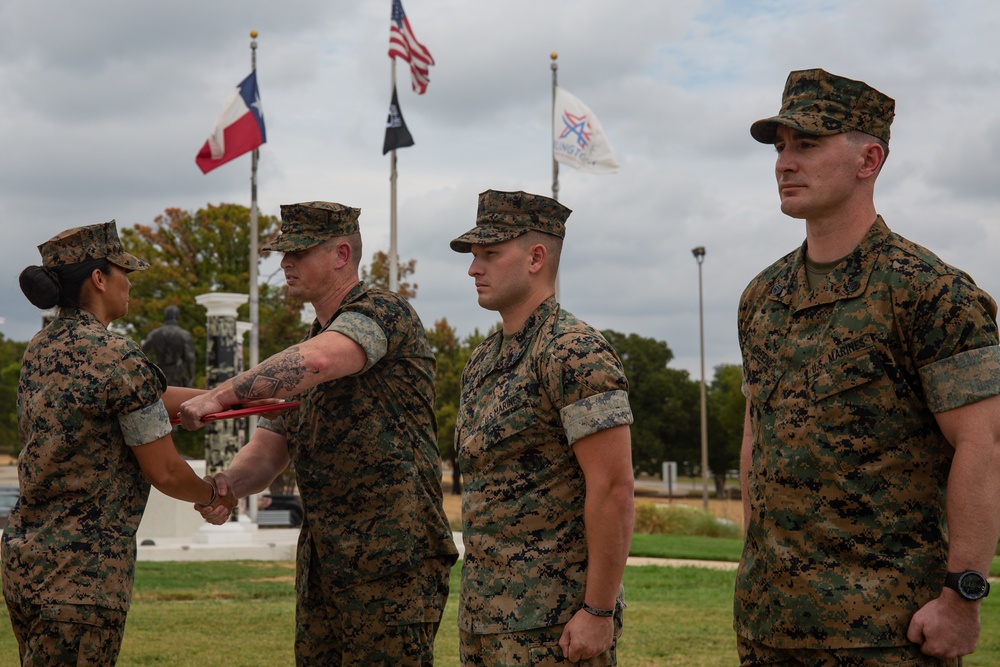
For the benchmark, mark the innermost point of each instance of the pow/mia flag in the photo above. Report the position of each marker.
(396, 134)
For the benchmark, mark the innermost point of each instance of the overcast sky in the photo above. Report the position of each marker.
(105, 103)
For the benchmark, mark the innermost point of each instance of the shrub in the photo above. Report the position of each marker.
(654, 519)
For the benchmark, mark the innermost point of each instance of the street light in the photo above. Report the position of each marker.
(699, 255)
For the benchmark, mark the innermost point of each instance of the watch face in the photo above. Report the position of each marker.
(973, 585)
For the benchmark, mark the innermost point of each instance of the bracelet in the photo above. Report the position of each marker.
(604, 613)
(215, 493)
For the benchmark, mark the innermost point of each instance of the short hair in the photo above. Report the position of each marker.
(60, 285)
(859, 138)
(553, 246)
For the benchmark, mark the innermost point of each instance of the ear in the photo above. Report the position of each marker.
(99, 280)
(872, 161)
(538, 257)
(343, 254)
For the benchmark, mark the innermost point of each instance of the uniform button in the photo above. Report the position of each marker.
(852, 285)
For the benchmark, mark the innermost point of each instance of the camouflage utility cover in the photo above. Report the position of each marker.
(846, 538)
(506, 215)
(817, 102)
(71, 538)
(365, 450)
(308, 224)
(91, 242)
(525, 402)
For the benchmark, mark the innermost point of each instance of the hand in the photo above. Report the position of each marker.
(946, 627)
(587, 635)
(193, 409)
(219, 511)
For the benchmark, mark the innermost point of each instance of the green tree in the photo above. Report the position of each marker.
(664, 404)
(726, 405)
(452, 354)
(11, 354)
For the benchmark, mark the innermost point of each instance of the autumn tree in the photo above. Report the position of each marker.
(377, 275)
(194, 253)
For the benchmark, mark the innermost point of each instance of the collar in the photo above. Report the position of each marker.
(847, 280)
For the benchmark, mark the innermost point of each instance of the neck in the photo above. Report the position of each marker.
(329, 303)
(515, 317)
(832, 238)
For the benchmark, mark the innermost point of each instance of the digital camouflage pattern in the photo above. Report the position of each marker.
(506, 215)
(71, 538)
(67, 634)
(753, 654)
(365, 452)
(91, 242)
(817, 102)
(846, 538)
(525, 401)
(389, 622)
(310, 223)
(538, 647)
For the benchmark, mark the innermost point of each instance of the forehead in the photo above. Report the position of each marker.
(476, 248)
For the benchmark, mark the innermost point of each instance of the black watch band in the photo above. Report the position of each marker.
(971, 585)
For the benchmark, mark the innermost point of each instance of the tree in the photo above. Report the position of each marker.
(664, 403)
(195, 253)
(11, 354)
(452, 355)
(726, 406)
(378, 275)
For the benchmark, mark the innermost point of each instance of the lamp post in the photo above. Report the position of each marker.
(699, 255)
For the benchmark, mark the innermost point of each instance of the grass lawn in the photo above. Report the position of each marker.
(241, 613)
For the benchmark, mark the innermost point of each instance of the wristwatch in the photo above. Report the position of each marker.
(970, 584)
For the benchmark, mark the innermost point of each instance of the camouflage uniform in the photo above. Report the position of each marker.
(375, 550)
(526, 399)
(846, 538)
(84, 398)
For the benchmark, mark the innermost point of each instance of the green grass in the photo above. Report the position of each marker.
(687, 546)
(223, 613)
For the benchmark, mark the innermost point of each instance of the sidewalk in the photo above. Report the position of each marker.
(279, 544)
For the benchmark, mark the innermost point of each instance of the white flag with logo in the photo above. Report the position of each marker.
(578, 138)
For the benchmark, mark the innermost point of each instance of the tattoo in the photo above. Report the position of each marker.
(284, 370)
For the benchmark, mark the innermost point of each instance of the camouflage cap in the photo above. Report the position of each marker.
(817, 102)
(91, 242)
(506, 215)
(310, 223)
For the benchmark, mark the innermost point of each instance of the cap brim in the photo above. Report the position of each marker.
(486, 235)
(766, 129)
(128, 262)
(291, 243)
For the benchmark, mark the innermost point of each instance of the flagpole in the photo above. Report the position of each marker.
(393, 262)
(254, 295)
(552, 133)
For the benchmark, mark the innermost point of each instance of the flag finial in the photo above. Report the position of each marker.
(253, 34)
(553, 55)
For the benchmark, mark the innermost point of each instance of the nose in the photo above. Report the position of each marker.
(474, 269)
(286, 260)
(785, 162)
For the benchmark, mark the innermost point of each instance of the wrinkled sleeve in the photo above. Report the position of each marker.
(585, 380)
(134, 389)
(364, 331)
(955, 344)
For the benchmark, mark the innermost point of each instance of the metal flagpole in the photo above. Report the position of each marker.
(552, 134)
(393, 263)
(254, 288)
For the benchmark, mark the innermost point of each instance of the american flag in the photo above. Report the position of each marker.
(403, 44)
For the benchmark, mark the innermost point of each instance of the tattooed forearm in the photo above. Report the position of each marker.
(284, 370)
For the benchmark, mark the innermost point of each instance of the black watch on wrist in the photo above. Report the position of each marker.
(970, 584)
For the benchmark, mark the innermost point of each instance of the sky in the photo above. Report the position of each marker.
(106, 102)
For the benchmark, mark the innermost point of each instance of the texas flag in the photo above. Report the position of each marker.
(238, 130)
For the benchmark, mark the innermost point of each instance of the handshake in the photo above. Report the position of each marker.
(223, 500)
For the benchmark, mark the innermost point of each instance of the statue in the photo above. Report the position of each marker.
(172, 349)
